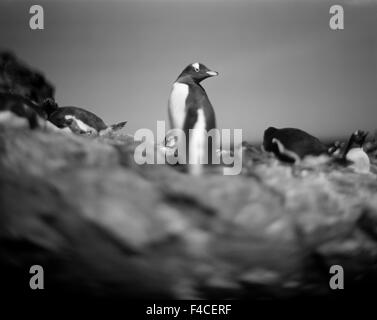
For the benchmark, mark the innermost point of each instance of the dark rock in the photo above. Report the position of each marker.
(18, 78)
(23, 108)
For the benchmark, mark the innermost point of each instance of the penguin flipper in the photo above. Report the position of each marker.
(118, 126)
(113, 128)
(285, 153)
(190, 120)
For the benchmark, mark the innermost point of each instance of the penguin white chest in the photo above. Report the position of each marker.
(81, 125)
(360, 159)
(177, 105)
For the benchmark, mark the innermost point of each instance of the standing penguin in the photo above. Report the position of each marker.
(190, 109)
(355, 154)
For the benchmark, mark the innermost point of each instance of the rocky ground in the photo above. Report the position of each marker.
(101, 225)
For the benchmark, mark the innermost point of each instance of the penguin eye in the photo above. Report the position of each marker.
(196, 69)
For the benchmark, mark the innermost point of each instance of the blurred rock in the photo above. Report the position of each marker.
(104, 226)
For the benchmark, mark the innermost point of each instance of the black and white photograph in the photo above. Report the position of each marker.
(188, 150)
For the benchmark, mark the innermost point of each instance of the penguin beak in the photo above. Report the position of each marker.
(212, 73)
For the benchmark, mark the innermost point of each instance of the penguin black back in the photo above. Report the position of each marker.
(64, 115)
(294, 140)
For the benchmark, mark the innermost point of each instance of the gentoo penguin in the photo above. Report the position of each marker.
(292, 145)
(190, 108)
(354, 153)
(16, 105)
(80, 120)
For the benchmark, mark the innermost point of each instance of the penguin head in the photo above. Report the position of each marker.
(49, 106)
(355, 154)
(197, 72)
(269, 134)
(358, 138)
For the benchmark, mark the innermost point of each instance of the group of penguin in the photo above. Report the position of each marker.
(189, 108)
(292, 145)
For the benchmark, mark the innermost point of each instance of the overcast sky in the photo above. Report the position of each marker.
(279, 62)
